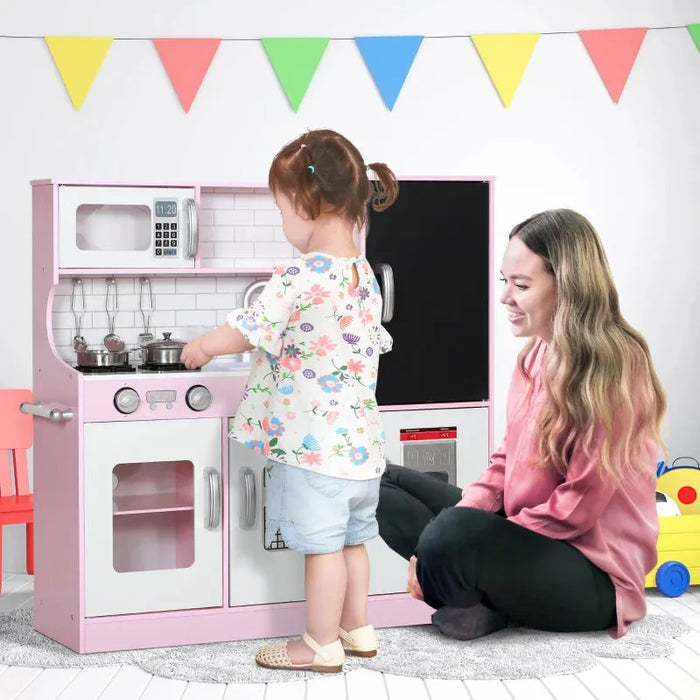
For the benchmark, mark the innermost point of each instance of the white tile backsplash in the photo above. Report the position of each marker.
(217, 200)
(254, 201)
(270, 217)
(219, 233)
(256, 234)
(234, 285)
(274, 250)
(179, 303)
(197, 285)
(219, 301)
(234, 217)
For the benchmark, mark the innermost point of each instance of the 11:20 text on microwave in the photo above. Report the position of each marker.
(127, 227)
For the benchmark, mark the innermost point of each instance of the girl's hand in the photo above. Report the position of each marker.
(413, 587)
(192, 355)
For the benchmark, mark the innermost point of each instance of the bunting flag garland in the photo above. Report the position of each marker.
(389, 58)
(505, 57)
(694, 30)
(613, 52)
(78, 58)
(295, 61)
(186, 61)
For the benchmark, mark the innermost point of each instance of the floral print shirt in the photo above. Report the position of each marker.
(310, 399)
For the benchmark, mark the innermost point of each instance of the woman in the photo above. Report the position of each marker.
(560, 530)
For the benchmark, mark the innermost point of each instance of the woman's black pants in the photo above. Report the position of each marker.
(468, 556)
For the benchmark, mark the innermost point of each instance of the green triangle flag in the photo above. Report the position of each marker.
(694, 30)
(295, 61)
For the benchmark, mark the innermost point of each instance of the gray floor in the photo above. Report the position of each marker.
(677, 676)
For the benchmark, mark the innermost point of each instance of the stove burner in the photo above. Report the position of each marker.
(156, 367)
(114, 369)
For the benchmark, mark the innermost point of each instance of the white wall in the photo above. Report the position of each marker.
(632, 168)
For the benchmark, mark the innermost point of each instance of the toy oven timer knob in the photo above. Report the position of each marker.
(126, 400)
(198, 397)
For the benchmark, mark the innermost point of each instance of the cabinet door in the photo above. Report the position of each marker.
(435, 237)
(257, 574)
(152, 504)
(445, 442)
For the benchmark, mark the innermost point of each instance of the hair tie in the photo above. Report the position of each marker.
(310, 168)
(303, 145)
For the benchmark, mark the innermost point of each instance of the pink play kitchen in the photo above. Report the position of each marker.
(149, 522)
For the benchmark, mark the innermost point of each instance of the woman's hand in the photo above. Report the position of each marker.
(413, 587)
(193, 356)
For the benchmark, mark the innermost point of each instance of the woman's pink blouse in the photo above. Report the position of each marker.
(615, 528)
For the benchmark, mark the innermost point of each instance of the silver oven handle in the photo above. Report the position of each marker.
(213, 517)
(192, 238)
(36, 409)
(387, 280)
(248, 499)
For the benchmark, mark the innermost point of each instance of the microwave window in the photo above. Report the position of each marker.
(166, 209)
(113, 227)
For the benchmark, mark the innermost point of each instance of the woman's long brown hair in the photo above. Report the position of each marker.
(597, 369)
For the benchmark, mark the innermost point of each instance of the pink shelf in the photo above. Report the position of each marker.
(164, 272)
(150, 503)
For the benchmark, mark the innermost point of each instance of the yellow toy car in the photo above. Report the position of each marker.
(678, 546)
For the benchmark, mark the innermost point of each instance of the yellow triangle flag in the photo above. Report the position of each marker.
(78, 58)
(505, 57)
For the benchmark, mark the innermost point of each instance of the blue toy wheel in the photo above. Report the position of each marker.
(673, 578)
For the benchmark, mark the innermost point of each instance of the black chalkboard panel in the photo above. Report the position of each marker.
(436, 239)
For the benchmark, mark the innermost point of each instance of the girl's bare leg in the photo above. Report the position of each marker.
(355, 605)
(324, 586)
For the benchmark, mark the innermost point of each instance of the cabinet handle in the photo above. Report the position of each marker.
(36, 409)
(192, 229)
(248, 499)
(213, 517)
(387, 282)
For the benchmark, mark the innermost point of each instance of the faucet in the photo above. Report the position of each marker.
(250, 290)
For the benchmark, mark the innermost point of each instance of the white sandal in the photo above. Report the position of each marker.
(328, 659)
(362, 641)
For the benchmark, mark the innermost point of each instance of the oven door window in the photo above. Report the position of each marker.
(152, 516)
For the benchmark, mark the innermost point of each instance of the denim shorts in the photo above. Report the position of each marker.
(316, 513)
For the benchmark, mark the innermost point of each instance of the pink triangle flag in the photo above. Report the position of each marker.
(613, 52)
(186, 62)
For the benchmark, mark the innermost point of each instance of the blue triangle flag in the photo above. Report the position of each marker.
(389, 58)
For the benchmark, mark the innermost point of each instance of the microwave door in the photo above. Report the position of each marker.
(127, 227)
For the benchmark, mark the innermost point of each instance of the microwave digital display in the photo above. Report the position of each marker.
(166, 208)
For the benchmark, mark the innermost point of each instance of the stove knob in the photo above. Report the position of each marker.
(198, 397)
(126, 400)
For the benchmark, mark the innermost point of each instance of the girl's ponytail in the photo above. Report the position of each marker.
(385, 188)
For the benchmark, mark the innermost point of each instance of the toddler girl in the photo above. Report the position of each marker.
(310, 402)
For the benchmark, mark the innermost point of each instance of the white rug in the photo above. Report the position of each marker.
(420, 651)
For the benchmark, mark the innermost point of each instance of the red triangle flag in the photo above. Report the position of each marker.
(186, 62)
(613, 51)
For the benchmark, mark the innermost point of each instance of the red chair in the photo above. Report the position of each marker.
(16, 506)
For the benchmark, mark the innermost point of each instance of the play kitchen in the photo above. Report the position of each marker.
(148, 521)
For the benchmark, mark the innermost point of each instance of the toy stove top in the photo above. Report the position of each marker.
(156, 368)
(114, 369)
(149, 368)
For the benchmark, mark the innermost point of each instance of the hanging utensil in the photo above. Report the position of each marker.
(112, 341)
(145, 294)
(79, 343)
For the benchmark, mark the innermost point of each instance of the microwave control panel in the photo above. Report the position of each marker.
(166, 232)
